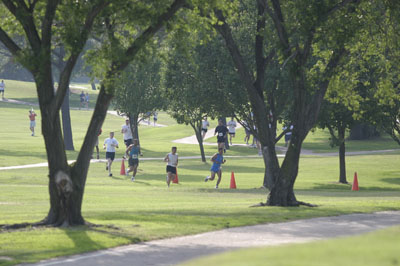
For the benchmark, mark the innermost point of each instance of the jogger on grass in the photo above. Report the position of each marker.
(217, 160)
(110, 144)
(172, 162)
(133, 152)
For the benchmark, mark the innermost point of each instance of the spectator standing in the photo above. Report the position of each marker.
(87, 98)
(32, 119)
(155, 118)
(82, 100)
(288, 135)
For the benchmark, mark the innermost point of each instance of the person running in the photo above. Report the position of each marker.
(288, 135)
(97, 144)
(126, 130)
(87, 98)
(232, 129)
(247, 132)
(172, 162)
(110, 144)
(133, 152)
(82, 100)
(204, 127)
(218, 160)
(2, 88)
(155, 117)
(32, 119)
(221, 130)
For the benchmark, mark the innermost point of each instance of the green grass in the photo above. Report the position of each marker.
(131, 212)
(377, 248)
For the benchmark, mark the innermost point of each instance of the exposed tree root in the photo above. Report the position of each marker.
(292, 204)
(16, 227)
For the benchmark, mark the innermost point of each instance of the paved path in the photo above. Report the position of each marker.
(177, 250)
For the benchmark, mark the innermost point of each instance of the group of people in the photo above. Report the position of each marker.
(133, 152)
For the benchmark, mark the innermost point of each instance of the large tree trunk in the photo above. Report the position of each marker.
(66, 122)
(271, 164)
(282, 193)
(67, 183)
(342, 154)
(134, 123)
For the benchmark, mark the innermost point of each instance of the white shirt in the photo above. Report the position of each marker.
(126, 129)
(172, 159)
(2, 86)
(205, 124)
(232, 126)
(110, 144)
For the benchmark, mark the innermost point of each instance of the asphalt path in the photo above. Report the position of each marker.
(180, 249)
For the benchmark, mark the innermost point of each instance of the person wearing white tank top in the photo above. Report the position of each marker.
(172, 162)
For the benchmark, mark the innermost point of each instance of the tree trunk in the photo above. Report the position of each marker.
(134, 126)
(342, 154)
(66, 122)
(200, 141)
(271, 164)
(67, 183)
(282, 193)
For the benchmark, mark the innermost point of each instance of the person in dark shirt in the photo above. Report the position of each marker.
(221, 136)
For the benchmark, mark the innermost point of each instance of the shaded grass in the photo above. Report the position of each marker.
(145, 210)
(130, 212)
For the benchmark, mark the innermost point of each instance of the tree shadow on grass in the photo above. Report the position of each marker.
(79, 235)
(393, 180)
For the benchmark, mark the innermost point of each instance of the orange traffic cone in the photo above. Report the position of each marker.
(176, 180)
(233, 182)
(354, 187)
(122, 172)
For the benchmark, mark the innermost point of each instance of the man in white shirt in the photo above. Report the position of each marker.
(172, 162)
(204, 126)
(126, 130)
(232, 129)
(110, 144)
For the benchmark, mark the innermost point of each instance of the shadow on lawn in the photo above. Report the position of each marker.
(14, 153)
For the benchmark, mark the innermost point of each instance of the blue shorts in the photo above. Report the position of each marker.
(110, 155)
(215, 168)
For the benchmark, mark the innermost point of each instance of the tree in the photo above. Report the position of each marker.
(309, 40)
(200, 81)
(75, 21)
(139, 91)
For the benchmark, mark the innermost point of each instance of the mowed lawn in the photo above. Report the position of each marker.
(127, 212)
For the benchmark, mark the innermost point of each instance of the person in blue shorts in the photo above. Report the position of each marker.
(218, 160)
(133, 152)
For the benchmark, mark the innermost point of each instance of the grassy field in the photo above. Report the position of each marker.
(129, 212)
(377, 248)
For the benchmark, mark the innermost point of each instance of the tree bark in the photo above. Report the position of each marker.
(66, 122)
(199, 138)
(342, 154)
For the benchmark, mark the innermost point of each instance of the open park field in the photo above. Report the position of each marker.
(126, 212)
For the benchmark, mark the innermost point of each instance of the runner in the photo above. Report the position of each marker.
(133, 152)
(32, 118)
(110, 144)
(221, 130)
(288, 135)
(155, 117)
(217, 160)
(172, 162)
(204, 126)
(2, 88)
(97, 144)
(87, 99)
(126, 130)
(232, 129)
(82, 100)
